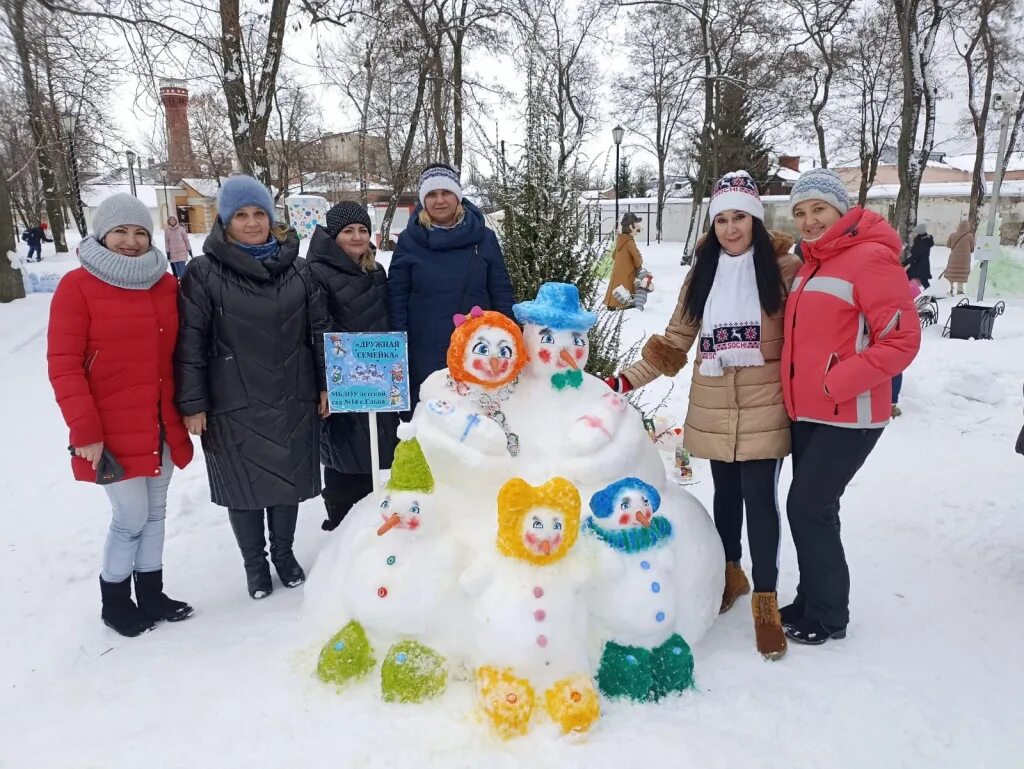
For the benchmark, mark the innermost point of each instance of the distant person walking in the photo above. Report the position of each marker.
(920, 266)
(35, 237)
(958, 268)
(177, 246)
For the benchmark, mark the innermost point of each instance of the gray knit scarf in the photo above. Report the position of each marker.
(134, 272)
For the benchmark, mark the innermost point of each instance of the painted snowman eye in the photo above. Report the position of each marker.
(385, 504)
(557, 526)
(546, 337)
(414, 509)
(481, 348)
(537, 524)
(579, 340)
(625, 504)
(504, 351)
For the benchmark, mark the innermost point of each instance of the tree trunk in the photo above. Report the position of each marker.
(12, 285)
(400, 176)
(457, 97)
(54, 209)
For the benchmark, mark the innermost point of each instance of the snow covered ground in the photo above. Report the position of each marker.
(929, 676)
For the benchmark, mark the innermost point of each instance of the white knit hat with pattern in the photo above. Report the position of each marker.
(736, 191)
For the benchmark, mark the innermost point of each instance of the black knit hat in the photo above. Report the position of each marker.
(344, 214)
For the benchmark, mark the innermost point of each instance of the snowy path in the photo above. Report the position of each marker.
(929, 676)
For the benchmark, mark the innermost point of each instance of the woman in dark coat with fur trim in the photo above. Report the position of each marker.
(357, 298)
(250, 373)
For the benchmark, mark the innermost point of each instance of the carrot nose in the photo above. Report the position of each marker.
(644, 519)
(389, 524)
(545, 547)
(567, 357)
(496, 365)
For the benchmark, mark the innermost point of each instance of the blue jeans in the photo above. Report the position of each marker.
(36, 249)
(135, 540)
(178, 269)
(897, 385)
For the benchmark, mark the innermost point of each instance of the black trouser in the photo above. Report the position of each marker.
(342, 490)
(825, 459)
(753, 483)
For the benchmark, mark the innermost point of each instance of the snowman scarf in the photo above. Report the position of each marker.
(633, 540)
(730, 333)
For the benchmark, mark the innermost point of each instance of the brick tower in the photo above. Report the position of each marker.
(180, 160)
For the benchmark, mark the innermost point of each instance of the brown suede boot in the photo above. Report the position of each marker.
(735, 585)
(771, 641)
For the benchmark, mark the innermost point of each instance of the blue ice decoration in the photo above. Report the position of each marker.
(557, 307)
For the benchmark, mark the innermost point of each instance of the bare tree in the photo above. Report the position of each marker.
(291, 147)
(976, 36)
(211, 133)
(661, 90)
(825, 30)
(918, 22)
(871, 87)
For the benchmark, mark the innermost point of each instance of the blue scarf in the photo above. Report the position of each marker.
(261, 252)
(572, 378)
(636, 539)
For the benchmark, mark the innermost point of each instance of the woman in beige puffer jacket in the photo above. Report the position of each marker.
(958, 268)
(733, 301)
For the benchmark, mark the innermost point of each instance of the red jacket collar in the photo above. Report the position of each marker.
(857, 227)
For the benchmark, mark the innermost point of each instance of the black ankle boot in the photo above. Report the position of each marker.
(119, 611)
(281, 523)
(248, 528)
(149, 592)
(813, 633)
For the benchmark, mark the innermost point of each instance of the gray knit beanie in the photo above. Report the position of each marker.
(120, 209)
(821, 184)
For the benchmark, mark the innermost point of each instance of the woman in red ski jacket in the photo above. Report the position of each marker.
(110, 348)
(850, 328)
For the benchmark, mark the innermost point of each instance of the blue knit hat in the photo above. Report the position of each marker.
(557, 306)
(239, 192)
(821, 184)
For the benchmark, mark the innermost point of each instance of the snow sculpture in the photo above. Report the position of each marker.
(305, 212)
(508, 442)
(529, 625)
(635, 596)
(401, 576)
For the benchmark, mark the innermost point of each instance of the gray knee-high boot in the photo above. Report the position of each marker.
(281, 522)
(248, 528)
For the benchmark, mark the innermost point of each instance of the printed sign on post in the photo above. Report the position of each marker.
(367, 371)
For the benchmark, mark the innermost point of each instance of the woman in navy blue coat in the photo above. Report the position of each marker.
(446, 261)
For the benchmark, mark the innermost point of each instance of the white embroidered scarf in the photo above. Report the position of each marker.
(730, 333)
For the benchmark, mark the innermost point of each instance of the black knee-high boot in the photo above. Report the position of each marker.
(248, 528)
(281, 522)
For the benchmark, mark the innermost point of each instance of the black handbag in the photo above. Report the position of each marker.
(1020, 442)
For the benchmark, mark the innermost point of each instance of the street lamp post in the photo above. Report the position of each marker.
(69, 122)
(617, 133)
(131, 171)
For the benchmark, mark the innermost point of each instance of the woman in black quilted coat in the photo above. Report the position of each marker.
(357, 298)
(250, 375)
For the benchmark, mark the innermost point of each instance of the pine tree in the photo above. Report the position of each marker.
(547, 236)
(736, 144)
(624, 181)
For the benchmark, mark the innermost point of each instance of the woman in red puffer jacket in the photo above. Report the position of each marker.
(110, 348)
(850, 328)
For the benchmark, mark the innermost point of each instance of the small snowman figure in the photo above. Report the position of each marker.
(529, 624)
(336, 347)
(399, 589)
(634, 598)
(336, 375)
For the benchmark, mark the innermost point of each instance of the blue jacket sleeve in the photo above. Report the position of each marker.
(399, 286)
(499, 285)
